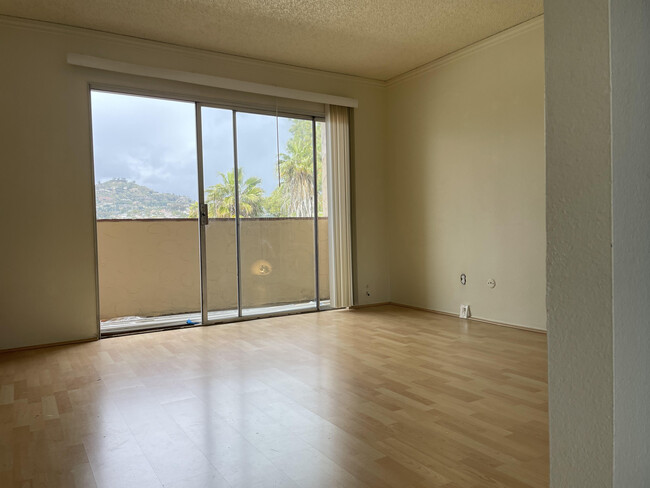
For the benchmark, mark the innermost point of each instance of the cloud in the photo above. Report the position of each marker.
(147, 140)
(152, 141)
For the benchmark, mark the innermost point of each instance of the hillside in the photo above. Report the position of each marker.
(123, 199)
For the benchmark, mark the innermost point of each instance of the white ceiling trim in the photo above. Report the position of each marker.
(498, 38)
(208, 80)
(44, 26)
(212, 55)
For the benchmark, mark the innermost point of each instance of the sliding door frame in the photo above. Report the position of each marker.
(235, 161)
(314, 152)
(203, 264)
(202, 238)
(199, 103)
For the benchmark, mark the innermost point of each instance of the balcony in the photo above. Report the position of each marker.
(149, 269)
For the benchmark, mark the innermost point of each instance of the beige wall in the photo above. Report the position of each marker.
(47, 264)
(579, 243)
(151, 267)
(598, 264)
(630, 68)
(467, 186)
(458, 186)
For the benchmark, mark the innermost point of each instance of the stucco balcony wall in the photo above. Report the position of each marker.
(151, 267)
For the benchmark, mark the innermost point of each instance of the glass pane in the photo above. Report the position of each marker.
(323, 228)
(275, 161)
(145, 186)
(219, 187)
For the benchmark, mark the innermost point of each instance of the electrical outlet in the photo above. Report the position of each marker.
(463, 279)
(464, 312)
(367, 290)
(491, 283)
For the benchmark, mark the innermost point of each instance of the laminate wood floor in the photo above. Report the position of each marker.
(378, 397)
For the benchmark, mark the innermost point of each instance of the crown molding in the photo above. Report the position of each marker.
(478, 46)
(212, 56)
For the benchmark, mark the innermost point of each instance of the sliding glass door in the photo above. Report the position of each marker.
(261, 178)
(145, 185)
(206, 213)
(276, 213)
(218, 232)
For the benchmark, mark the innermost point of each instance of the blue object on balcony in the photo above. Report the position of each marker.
(189, 322)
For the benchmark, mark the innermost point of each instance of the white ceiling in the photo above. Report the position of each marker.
(372, 38)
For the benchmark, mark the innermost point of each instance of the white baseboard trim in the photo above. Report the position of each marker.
(472, 319)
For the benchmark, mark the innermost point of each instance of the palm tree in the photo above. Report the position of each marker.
(221, 197)
(294, 197)
(193, 211)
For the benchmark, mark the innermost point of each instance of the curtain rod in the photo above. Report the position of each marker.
(208, 80)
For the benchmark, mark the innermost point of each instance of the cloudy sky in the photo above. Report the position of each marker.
(153, 142)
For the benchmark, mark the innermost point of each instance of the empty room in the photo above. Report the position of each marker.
(325, 244)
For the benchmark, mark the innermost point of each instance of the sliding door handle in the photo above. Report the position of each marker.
(203, 213)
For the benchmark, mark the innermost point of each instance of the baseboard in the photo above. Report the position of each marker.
(52, 344)
(353, 307)
(472, 319)
(369, 305)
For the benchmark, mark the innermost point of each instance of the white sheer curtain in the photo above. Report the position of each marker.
(338, 192)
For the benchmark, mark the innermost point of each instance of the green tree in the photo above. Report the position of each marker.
(221, 197)
(294, 197)
(193, 211)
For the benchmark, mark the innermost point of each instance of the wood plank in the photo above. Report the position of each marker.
(376, 397)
